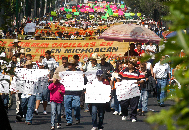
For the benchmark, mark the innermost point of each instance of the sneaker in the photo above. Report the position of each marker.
(52, 127)
(124, 118)
(86, 111)
(68, 124)
(58, 125)
(115, 113)
(134, 120)
(28, 123)
(94, 128)
(120, 113)
(36, 112)
(77, 122)
(44, 113)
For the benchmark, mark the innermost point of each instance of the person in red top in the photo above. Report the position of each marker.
(139, 50)
(57, 92)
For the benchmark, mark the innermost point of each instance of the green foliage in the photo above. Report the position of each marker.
(177, 117)
(147, 7)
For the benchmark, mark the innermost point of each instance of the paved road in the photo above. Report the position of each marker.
(111, 122)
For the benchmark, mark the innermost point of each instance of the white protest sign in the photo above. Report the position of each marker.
(127, 89)
(97, 92)
(30, 81)
(4, 84)
(72, 80)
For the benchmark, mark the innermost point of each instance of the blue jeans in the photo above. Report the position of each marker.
(117, 105)
(100, 108)
(143, 101)
(72, 101)
(55, 107)
(28, 105)
(161, 94)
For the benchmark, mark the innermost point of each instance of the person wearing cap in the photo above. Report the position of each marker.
(72, 99)
(15, 49)
(131, 52)
(130, 73)
(100, 107)
(57, 92)
(106, 67)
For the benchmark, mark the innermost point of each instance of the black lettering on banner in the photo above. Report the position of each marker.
(52, 51)
(109, 49)
(58, 50)
(114, 48)
(76, 51)
(90, 50)
(28, 50)
(96, 50)
(101, 50)
(68, 51)
(73, 50)
(83, 50)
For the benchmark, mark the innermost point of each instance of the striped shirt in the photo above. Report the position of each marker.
(126, 75)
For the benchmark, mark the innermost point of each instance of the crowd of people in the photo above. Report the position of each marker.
(85, 20)
(150, 79)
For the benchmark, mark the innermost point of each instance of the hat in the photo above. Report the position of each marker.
(103, 56)
(71, 61)
(99, 73)
(94, 57)
(15, 40)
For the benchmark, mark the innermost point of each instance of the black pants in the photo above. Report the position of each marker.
(133, 102)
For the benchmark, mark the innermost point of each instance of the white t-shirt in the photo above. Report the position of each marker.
(151, 48)
(161, 70)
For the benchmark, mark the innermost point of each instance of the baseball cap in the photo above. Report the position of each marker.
(99, 73)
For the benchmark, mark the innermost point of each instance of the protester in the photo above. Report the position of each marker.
(41, 97)
(91, 66)
(28, 100)
(114, 78)
(57, 91)
(72, 99)
(130, 73)
(98, 107)
(143, 101)
(63, 67)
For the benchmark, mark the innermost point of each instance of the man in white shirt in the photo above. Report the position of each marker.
(161, 74)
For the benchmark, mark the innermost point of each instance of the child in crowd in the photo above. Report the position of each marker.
(57, 91)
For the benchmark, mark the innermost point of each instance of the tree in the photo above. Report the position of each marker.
(177, 116)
